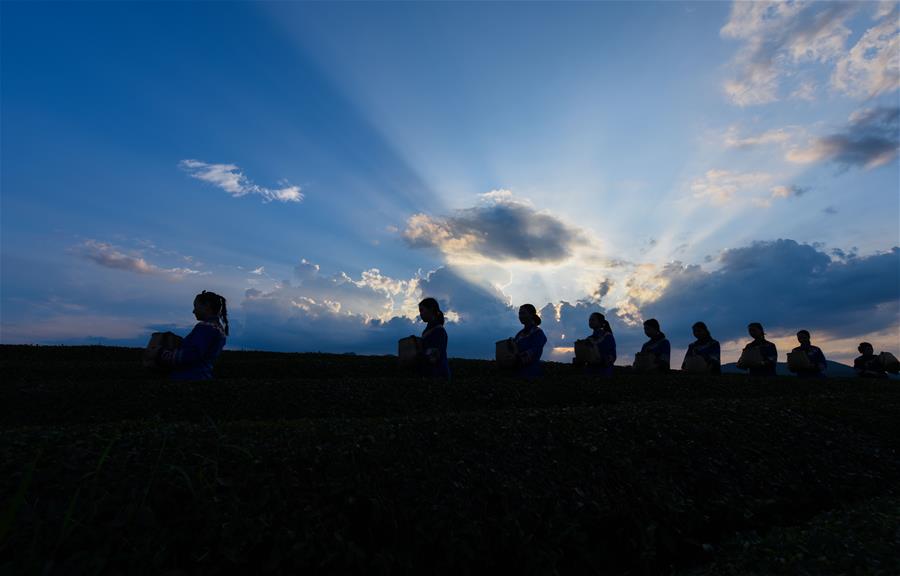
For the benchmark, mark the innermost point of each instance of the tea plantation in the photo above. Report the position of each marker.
(330, 464)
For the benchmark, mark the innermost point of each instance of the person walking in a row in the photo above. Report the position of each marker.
(655, 353)
(530, 342)
(434, 340)
(601, 354)
(703, 354)
(760, 356)
(813, 363)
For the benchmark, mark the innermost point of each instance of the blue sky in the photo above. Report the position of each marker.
(325, 166)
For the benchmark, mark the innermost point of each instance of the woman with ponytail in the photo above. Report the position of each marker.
(530, 342)
(657, 347)
(199, 350)
(434, 340)
(605, 342)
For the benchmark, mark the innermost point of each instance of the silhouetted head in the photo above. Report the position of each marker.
(209, 306)
(430, 311)
(866, 349)
(651, 327)
(528, 315)
(701, 332)
(756, 331)
(803, 337)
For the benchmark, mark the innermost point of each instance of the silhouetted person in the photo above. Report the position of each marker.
(198, 352)
(658, 346)
(868, 365)
(530, 342)
(817, 362)
(434, 340)
(704, 347)
(768, 353)
(605, 343)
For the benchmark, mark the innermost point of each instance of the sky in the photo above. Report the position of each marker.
(325, 166)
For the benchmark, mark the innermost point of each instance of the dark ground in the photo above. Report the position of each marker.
(293, 463)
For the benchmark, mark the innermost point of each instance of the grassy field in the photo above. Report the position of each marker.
(291, 463)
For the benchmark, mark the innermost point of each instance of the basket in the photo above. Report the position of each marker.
(506, 353)
(889, 362)
(159, 341)
(409, 350)
(798, 361)
(586, 352)
(695, 364)
(644, 362)
(751, 358)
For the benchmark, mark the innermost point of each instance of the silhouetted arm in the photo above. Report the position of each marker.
(435, 345)
(193, 349)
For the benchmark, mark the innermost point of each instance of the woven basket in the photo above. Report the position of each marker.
(505, 353)
(409, 350)
(160, 341)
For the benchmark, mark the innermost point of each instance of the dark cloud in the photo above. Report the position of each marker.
(870, 139)
(786, 286)
(501, 228)
(783, 284)
(335, 313)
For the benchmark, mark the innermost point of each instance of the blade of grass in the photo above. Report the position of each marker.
(9, 515)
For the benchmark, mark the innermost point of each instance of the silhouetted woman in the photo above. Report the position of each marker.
(768, 353)
(434, 340)
(704, 347)
(813, 353)
(530, 342)
(658, 345)
(868, 365)
(198, 352)
(605, 342)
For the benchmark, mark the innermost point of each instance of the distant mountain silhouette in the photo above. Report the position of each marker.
(835, 370)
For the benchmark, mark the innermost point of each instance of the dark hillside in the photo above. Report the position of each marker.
(297, 462)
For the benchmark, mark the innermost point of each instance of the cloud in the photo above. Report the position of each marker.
(111, 256)
(229, 178)
(830, 210)
(869, 139)
(872, 66)
(783, 284)
(775, 136)
(777, 37)
(723, 187)
(500, 228)
(778, 193)
(339, 313)
(806, 90)
(788, 191)
(84, 328)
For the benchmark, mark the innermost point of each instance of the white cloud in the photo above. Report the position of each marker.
(229, 178)
(113, 257)
(872, 66)
(779, 192)
(368, 314)
(723, 187)
(779, 37)
(804, 91)
(775, 136)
